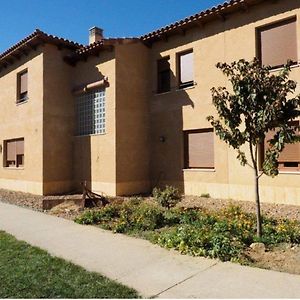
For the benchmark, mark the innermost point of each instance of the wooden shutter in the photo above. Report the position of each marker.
(20, 147)
(200, 149)
(278, 43)
(187, 67)
(11, 150)
(23, 82)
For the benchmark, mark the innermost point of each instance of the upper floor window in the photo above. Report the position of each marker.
(199, 149)
(277, 43)
(186, 69)
(22, 86)
(163, 75)
(14, 153)
(90, 110)
(289, 158)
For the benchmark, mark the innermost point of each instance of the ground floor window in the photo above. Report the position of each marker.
(199, 149)
(289, 158)
(14, 153)
(90, 111)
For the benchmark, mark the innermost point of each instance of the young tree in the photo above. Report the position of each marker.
(261, 101)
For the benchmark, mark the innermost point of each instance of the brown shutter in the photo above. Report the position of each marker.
(279, 43)
(187, 67)
(11, 150)
(20, 147)
(291, 152)
(201, 149)
(23, 82)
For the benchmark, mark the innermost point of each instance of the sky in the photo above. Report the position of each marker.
(71, 19)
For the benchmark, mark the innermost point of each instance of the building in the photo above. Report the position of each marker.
(129, 114)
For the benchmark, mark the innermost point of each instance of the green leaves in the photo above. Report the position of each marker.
(260, 101)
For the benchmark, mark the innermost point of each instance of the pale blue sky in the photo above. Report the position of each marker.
(72, 18)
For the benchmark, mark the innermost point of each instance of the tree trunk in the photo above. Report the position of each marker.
(257, 200)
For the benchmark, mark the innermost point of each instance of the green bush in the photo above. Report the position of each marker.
(222, 234)
(205, 195)
(167, 197)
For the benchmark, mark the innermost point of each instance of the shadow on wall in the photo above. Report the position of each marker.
(85, 106)
(166, 134)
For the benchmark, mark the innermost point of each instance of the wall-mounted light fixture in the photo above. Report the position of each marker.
(162, 139)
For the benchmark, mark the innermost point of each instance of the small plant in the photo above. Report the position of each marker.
(205, 195)
(168, 197)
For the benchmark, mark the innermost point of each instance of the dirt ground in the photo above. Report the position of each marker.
(283, 258)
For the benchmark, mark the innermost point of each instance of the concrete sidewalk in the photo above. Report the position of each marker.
(151, 270)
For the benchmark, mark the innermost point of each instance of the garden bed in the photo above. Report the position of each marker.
(279, 256)
(226, 234)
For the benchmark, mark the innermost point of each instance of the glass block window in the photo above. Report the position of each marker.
(90, 110)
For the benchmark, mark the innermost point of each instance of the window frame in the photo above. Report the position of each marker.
(186, 148)
(16, 165)
(183, 85)
(19, 98)
(275, 24)
(281, 164)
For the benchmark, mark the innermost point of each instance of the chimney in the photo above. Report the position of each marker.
(95, 35)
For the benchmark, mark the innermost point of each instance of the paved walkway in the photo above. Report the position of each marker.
(151, 270)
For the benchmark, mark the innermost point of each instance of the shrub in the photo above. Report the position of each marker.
(205, 195)
(167, 197)
(221, 234)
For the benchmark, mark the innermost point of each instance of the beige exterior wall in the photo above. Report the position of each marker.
(58, 123)
(95, 155)
(179, 110)
(132, 119)
(143, 143)
(23, 121)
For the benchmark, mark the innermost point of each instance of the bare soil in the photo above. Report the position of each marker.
(283, 258)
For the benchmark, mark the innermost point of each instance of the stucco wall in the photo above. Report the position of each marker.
(132, 118)
(94, 156)
(179, 110)
(59, 123)
(23, 120)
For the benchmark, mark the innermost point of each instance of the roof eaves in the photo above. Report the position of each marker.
(200, 18)
(30, 43)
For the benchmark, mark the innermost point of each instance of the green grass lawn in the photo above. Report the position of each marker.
(29, 272)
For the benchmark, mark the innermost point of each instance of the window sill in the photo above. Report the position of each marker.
(186, 88)
(162, 93)
(281, 68)
(13, 168)
(22, 102)
(289, 172)
(200, 170)
(86, 135)
(177, 89)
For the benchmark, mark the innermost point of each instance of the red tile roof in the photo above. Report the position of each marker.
(32, 41)
(201, 18)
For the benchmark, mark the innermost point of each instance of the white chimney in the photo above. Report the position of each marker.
(95, 35)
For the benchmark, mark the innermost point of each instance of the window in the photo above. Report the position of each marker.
(14, 153)
(163, 75)
(277, 43)
(289, 158)
(186, 69)
(90, 110)
(22, 86)
(199, 149)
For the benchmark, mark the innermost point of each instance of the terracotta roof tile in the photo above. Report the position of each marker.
(204, 16)
(36, 38)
